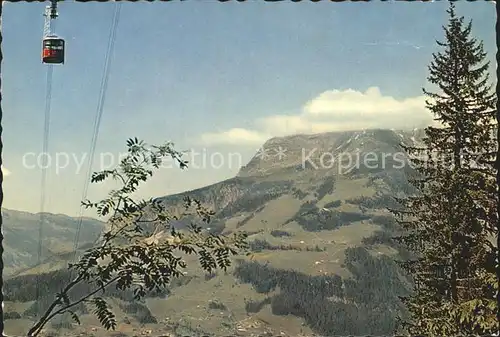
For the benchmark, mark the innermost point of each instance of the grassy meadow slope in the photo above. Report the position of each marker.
(322, 262)
(21, 231)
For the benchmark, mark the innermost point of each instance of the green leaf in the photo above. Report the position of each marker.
(74, 317)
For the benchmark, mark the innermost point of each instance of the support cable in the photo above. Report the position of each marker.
(97, 123)
(50, 14)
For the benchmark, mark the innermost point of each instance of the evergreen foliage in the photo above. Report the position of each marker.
(449, 222)
(366, 304)
(326, 187)
(279, 233)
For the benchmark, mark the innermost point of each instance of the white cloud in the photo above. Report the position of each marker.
(335, 102)
(5, 172)
(333, 110)
(235, 135)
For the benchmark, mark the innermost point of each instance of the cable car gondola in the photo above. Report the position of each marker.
(53, 50)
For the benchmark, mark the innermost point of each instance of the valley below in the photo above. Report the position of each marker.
(321, 263)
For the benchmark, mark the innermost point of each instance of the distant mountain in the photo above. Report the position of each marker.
(319, 231)
(305, 163)
(21, 232)
(314, 151)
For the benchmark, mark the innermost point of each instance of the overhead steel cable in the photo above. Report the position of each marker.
(98, 117)
(45, 150)
(97, 124)
(48, 29)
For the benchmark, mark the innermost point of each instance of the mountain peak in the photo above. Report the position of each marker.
(293, 152)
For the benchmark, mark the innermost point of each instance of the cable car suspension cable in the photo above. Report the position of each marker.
(99, 113)
(97, 123)
(50, 14)
(45, 147)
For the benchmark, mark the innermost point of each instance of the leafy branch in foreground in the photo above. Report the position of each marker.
(140, 249)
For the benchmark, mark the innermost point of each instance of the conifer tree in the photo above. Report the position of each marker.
(450, 222)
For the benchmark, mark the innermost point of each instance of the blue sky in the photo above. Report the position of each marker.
(216, 77)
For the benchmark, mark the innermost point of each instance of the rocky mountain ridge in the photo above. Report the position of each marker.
(299, 152)
(307, 225)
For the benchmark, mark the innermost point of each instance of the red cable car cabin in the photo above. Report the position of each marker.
(53, 50)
